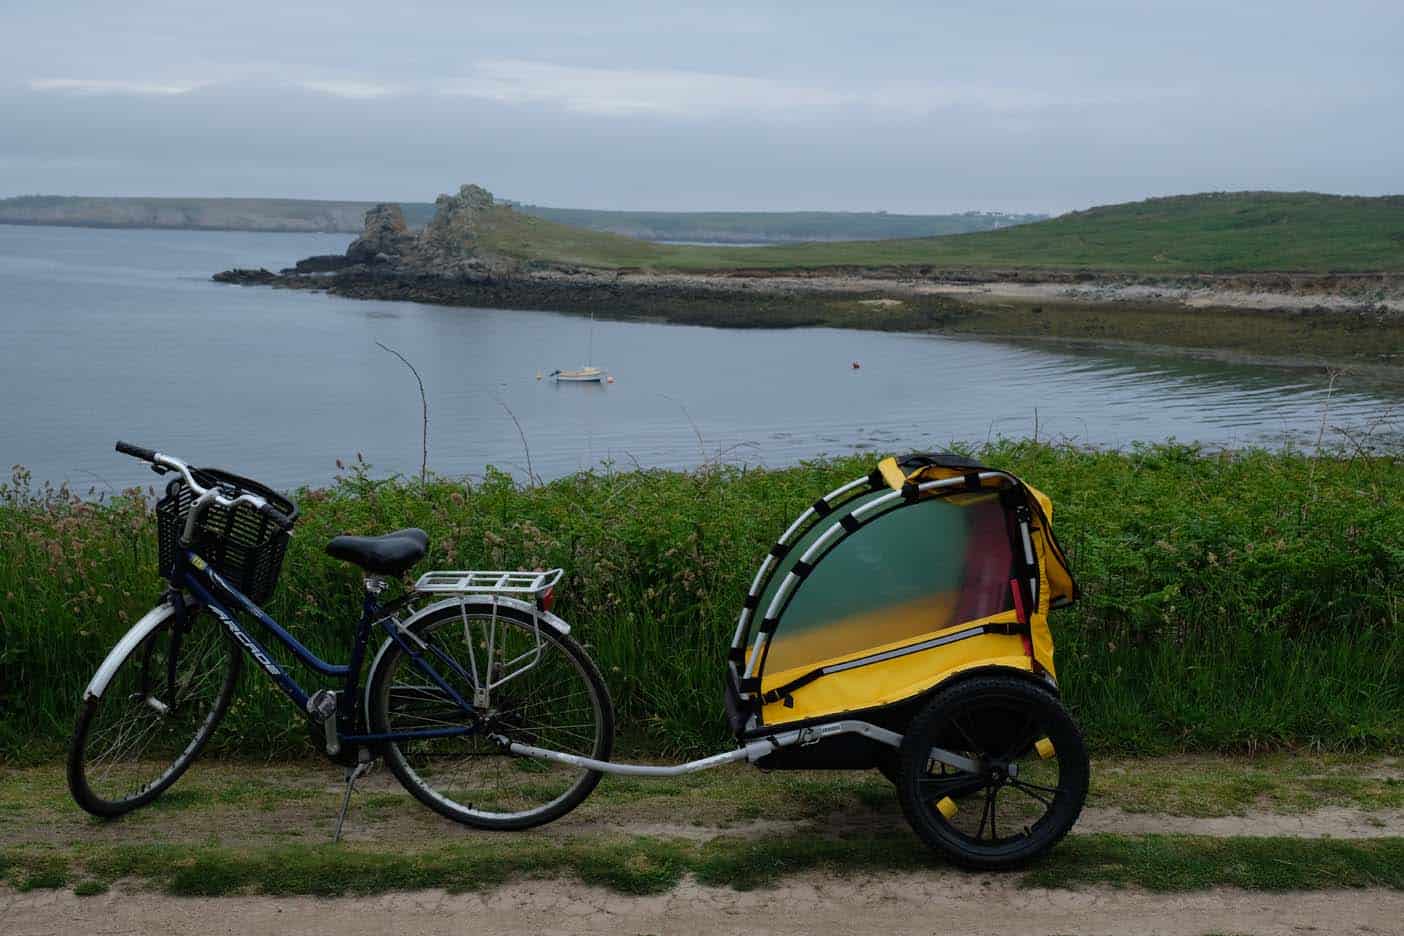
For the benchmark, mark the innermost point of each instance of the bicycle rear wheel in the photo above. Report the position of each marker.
(550, 694)
(162, 704)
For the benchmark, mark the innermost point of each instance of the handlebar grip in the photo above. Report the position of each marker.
(137, 451)
(277, 516)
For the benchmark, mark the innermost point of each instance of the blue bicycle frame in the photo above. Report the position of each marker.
(209, 589)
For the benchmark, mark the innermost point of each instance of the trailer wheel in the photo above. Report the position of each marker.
(1029, 779)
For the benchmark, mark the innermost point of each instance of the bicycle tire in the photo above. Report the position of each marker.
(220, 662)
(448, 803)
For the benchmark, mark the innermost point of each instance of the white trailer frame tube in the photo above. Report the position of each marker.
(750, 751)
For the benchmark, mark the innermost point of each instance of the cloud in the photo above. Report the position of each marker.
(232, 77)
(118, 86)
(677, 93)
(355, 90)
(641, 92)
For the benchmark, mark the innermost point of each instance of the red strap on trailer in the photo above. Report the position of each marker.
(1018, 602)
(1022, 615)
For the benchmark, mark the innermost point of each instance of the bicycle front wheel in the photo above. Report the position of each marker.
(163, 702)
(541, 689)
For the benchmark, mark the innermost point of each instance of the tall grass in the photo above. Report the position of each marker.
(1231, 601)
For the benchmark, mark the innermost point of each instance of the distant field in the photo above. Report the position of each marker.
(271, 214)
(1210, 233)
(742, 227)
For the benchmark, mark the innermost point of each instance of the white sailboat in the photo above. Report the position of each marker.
(588, 373)
(582, 375)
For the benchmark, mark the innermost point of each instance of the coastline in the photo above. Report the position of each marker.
(1309, 319)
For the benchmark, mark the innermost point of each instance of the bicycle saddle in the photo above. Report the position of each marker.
(390, 554)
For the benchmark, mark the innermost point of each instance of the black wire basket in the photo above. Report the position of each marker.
(244, 546)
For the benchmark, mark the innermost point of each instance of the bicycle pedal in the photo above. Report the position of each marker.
(321, 708)
(321, 705)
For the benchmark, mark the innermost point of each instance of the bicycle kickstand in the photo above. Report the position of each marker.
(352, 775)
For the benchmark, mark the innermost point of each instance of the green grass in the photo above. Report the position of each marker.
(1232, 602)
(217, 793)
(1207, 233)
(1280, 783)
(650, 866)
(1185, 862)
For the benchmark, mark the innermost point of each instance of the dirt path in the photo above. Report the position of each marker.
(302, 806)
(891, 904)
(262, 805)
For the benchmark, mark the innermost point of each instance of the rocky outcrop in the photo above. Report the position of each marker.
(246, 277)
(322, 263)
(457, 221)
(385, 238)
(450, 244)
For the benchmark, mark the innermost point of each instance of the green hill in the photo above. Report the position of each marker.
(1208, 233)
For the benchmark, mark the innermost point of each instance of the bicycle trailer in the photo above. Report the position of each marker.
(931, 568)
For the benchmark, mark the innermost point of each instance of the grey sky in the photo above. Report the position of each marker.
(908, 107)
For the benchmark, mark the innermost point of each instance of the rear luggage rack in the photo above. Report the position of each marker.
(488, 583)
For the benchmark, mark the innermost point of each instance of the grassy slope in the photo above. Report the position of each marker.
(1213, 233)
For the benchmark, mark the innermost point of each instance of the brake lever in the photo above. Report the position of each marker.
(159, 469)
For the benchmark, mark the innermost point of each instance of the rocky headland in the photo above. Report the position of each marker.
(474, 252)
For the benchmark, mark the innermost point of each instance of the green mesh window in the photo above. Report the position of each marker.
(919, 568)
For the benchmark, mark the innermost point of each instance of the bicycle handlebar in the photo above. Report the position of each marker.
(204, 496)
(277, 516)
(136, 451)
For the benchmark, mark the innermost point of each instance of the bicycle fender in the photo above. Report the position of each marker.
(139, 632)
(471, 601)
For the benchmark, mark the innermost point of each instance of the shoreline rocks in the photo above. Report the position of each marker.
(247, 277)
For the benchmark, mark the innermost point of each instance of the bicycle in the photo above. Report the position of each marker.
(485, 661)
(900, 624)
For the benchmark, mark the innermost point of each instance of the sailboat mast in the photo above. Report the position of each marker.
(590, 352)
